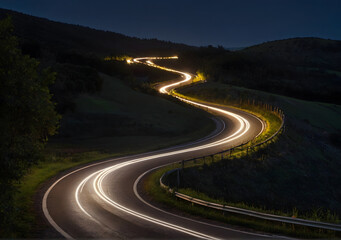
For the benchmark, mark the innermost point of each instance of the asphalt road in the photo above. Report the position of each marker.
(101, 200)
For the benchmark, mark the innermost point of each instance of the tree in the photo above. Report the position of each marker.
(27, 117)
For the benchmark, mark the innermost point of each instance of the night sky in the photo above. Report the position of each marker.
(236, 23)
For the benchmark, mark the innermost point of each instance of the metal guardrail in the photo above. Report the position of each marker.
(251, 213)
(280, 114)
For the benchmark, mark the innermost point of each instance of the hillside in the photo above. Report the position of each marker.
(119, 119)
(49, 37)
(304, 52)
(298, 172)
(306, 68)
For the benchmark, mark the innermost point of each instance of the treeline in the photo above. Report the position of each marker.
(305, 68)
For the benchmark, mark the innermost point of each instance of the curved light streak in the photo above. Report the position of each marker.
(100, 175)
(164, 89)
(244, 126)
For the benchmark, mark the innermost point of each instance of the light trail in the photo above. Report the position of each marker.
(97, 185)
(99, 176)
(102, 174)
(164, 89)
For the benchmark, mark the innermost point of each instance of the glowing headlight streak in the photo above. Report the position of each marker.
(97, 183)
(164, 89)
(100, 175)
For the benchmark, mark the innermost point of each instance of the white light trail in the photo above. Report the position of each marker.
(100, 175)
(164, 89)
(244, 126)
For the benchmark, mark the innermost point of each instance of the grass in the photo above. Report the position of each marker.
(287, 162)
(300, 165)
(315, 215)
(118, 121)
(118, 111)
(272, 119)
(30, 183)
(319, 115)
(24, 199)
(154, 191)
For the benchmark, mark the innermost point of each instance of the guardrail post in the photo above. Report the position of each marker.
(178, 177)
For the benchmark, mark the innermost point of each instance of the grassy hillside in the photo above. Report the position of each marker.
(305, 68)
(300, 171)
(309, 52)
(119, 118)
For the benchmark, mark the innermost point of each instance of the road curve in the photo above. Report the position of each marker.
(100, 200)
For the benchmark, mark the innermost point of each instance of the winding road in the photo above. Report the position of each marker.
(102, 200)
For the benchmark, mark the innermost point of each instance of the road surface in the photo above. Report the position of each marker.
(101, 200)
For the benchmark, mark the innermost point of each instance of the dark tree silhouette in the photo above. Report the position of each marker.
(27, 117)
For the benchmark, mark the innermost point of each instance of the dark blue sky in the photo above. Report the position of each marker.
(235, 23)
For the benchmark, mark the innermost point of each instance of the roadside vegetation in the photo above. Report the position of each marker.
(166, 200)
(296, 176)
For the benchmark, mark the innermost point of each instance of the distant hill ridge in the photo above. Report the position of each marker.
(56, 35)
(300, 51)
(85, 39)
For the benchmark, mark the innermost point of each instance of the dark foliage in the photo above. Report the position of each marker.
(27, 118)
(72, 80)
